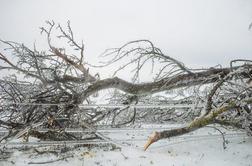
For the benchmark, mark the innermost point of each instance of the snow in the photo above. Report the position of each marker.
(202, 147)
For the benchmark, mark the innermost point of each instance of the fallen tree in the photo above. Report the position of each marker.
(58, 81)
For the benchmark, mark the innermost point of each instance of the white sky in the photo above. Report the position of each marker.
(197, 32)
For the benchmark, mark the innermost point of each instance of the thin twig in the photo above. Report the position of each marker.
(51, 161)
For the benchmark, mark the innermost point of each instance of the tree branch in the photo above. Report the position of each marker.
(184, 80)
(194, 125)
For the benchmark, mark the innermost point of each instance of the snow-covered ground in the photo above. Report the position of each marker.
(202, 147)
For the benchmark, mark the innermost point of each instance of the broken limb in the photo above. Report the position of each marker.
(194, 125)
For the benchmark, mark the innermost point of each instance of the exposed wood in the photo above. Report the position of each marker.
(194, 125)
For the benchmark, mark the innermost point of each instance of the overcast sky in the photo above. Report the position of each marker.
(197, 32)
